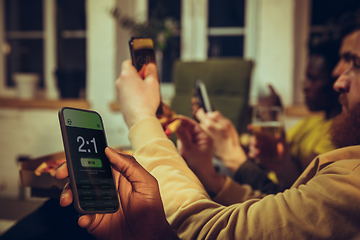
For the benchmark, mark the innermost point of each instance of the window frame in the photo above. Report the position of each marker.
(48, 35)
(196, 32)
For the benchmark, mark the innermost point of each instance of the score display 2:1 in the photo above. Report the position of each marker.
(82, 140)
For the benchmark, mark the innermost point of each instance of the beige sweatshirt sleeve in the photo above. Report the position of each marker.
(306, 212)
(233, 192)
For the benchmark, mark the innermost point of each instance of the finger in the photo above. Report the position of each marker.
(179, 146)
(151, 79)
(194, 106)
(126, 65)
(128, 167)
(253, 151)
(183, 134)
(142, 71)
(200, 115)
(280, 149)
(66, 196)
(127, 73)
(151, 72)
(206, 123)
(272, 89)
(186, 121)
(62, 171)
(194, 130)
(215, 115)
(276, 99)
(195, 101)
(189, 125)
(86, 220)
(221, 123)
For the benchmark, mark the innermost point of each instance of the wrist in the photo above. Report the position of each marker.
(234, 159)
(134, 118)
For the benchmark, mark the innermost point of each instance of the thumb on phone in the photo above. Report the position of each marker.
(127, 166)
(150, 71)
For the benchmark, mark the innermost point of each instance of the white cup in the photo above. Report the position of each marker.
(26, 84)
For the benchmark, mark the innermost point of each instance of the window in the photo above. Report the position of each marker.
(209, 28)
(218, 28)
(162, 9)
(226, 28)
(43, 37)
(71, 48)
(24, 38)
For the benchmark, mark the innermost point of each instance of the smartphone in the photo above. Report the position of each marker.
(202, 96)
(142, 53)
(91, 177)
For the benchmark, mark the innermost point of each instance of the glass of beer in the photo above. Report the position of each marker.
(268, 120)
(268, 127)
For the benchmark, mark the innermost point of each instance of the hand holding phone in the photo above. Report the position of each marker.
(140, 204)
(90, 172)
(142, 53)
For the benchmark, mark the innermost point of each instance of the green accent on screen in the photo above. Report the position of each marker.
(82, 119)
(91, 162)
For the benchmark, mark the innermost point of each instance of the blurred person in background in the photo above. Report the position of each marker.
(310, 137)
(303, 141)
(226, 138)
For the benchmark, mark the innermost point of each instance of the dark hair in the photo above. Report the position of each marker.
(329, 49)
(349, 22)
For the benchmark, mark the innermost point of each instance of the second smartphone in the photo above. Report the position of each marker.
(203, 96)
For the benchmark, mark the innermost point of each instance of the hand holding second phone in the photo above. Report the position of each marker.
(138, 92)
(141, 214)
(226, 138)
(196, 147)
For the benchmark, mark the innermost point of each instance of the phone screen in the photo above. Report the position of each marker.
(90, 171)
(142, 52)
